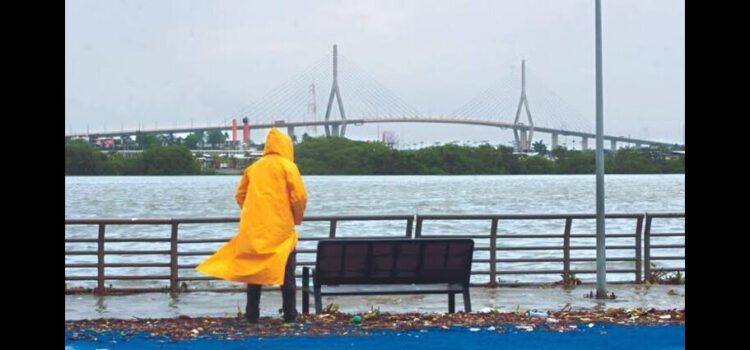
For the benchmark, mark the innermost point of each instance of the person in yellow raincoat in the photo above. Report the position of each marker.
(273, 198)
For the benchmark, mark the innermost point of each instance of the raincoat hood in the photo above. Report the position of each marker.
(279, 143)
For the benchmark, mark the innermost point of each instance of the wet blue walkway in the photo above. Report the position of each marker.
(609, 337)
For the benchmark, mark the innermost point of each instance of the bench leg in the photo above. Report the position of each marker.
(467, 299)
(318, 300)
(451, 302)
(305, 288)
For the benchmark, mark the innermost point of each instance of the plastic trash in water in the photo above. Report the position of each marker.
(525, 328)
(535, 313)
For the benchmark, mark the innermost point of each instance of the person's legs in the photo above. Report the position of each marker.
(252, 309)
(289, 289)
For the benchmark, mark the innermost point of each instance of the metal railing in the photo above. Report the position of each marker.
(641, 247)
(649, 236)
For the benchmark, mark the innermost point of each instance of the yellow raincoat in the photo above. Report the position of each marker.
(273, 199)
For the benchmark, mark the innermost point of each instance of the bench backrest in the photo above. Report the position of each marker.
(393, 261)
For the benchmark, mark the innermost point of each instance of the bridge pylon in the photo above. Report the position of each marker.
(335, 92)
(523, 141)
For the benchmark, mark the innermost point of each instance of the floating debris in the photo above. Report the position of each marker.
(186, 327)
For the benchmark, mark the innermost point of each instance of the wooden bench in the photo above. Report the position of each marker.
(424, 261)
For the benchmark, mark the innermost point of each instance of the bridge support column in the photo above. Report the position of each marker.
(335, 130)
(585, 144)
(523, 145)
(637, 145)
(554, 140)
(613, 145)
(290, 132)
(335, 93)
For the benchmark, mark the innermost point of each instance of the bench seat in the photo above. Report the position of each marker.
(390, 267)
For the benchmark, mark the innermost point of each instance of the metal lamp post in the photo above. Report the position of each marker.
(601, 259)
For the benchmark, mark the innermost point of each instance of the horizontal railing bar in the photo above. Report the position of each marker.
(358, 217)
(594, 259)
(213, 240)
(205, 252)
(561, 248)
(118, 265)
(529, 248)
(81, 252)
(522, 216)
(455, 236)
(139, 277)
(558, 260)
(530, 236)
(608, 235)
(608, 271)
(165, 221)
(532, 272)
(169, 221)
(137, 265)
(667, 246)
(668, 234)
(545, 272)
(339, 235)
(665, 215)
(200, 278)
(137, 252)
(81, 265)
(667, 258)
(531, 260)
(123, 240)
(121, 221)
(81, 278)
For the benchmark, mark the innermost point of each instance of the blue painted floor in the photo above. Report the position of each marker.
(609, 337)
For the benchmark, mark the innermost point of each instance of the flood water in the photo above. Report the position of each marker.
(213, 196)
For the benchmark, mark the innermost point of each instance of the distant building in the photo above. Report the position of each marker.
(105, 143)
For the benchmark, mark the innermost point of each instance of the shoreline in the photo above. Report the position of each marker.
(186, 327)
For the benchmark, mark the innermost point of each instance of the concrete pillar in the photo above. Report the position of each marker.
(290, 132)
(523, 146)
(335, 130)
(585, 143)
(613, 145)
(637, 145)
(554, 140)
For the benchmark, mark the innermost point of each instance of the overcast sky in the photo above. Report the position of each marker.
(172, 62)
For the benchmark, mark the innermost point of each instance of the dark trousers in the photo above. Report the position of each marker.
(288, 294)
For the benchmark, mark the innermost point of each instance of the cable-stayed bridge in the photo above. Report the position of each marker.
(342, 94)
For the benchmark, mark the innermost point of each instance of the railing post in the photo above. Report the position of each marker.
(409, 223)
(418, 231)
(332, 231)
(100, 262)
(173, 270)
(493, 254)
(647, 249)
(566, 251)
(638, 253)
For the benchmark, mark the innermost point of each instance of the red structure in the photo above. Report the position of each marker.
(234, 130)
(246, 131)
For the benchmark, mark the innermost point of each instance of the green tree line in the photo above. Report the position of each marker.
(341, 156)
(82, 159)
